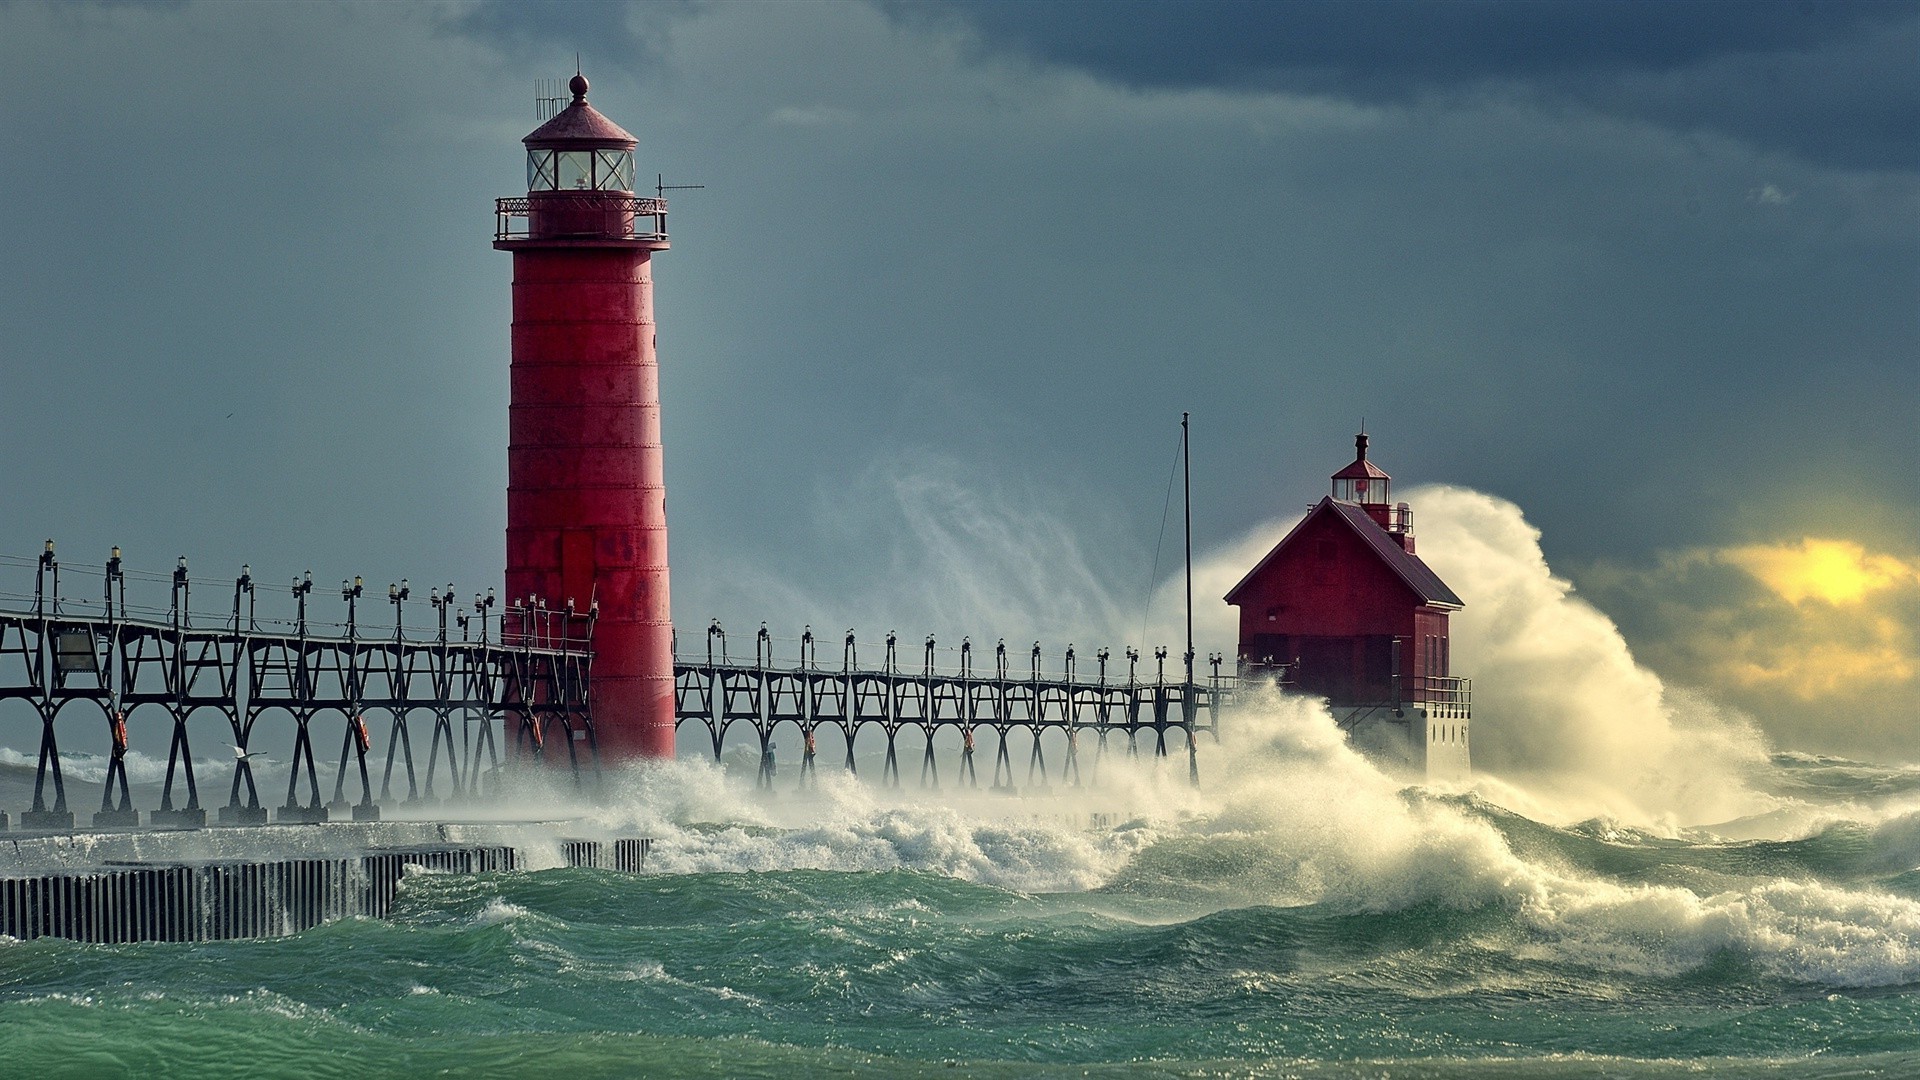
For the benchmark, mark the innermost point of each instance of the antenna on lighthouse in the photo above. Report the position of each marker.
(547, 99)
(661, 187)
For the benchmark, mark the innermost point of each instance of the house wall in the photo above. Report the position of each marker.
(1328, 601)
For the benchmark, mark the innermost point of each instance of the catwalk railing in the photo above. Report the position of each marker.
(119, 664)
(717, 693)
(88, 669)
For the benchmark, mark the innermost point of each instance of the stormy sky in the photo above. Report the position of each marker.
(1648, 270)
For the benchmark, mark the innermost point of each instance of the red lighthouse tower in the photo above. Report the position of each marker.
(586, 494)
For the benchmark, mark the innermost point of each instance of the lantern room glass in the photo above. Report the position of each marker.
(613, 170)
(573, 170)
(1361, 489)
(539, 170)
(579, 170)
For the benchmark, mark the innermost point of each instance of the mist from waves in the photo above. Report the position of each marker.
(1292, 818)
(1567, 725)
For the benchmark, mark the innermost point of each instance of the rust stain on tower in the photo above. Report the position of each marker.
(586, 494)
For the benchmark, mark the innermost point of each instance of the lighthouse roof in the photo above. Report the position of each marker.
(1417, 575)
(580, 125)
(1361, 469)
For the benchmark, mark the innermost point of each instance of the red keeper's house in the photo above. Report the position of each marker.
(1343, 609)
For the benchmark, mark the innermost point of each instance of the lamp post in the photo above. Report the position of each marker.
(182, 594)
(301, 587)
(350, 592)
(48, 565)
(53, 566)
(1133, 702)
(116, 575)
(480, 606)
(1159, 701)
(443, 603)
(397, 596)
(243, 584)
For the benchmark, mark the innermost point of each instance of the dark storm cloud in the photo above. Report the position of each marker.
(1834, 82)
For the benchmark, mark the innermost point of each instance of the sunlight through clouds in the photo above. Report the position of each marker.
(1835, 571)
(1818, 637)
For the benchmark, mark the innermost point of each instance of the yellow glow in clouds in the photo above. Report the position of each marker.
(1836, 571)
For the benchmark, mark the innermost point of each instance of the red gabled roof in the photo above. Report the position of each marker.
(1417, 575)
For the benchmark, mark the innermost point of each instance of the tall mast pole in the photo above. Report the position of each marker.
(1186, 458)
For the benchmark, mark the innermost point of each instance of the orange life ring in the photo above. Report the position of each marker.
(119, 735)
(360, 735)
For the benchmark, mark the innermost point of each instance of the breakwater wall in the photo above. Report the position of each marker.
(260, 883)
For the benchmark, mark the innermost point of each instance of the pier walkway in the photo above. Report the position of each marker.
(486, 686)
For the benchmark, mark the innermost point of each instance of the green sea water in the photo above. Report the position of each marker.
(1321, 922)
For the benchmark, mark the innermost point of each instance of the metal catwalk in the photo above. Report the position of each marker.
(765, 694)
(97, 666)
(87, 668)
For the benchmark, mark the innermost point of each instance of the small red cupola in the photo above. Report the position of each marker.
(1362, 482)
(1368, 486)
